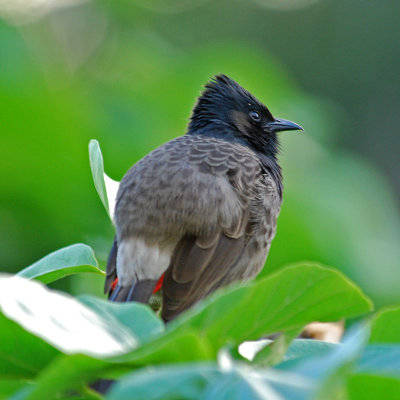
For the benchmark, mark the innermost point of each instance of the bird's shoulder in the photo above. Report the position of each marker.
(200, 149)
(196, 154)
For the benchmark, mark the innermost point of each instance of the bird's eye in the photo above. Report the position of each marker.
(255, 115)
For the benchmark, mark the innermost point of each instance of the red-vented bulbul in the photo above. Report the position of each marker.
(201, 210)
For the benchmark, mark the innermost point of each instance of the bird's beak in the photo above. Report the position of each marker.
(279, 125)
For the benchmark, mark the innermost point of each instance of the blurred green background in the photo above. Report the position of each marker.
(128, 72)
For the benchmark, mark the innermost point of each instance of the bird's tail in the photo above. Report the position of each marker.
(140, 291)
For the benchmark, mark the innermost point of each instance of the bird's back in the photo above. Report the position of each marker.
(200, 209)
(192, 184)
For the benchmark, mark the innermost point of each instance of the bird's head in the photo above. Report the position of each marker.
(227, 108)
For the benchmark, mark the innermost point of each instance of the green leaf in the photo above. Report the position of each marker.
(97, 167)
(105, 186)
(183, 345)
(59, 320)
(325, 363)
(275, 352)
(231, 381)
(71, 371)
(68, 373)
(383, 359)
(22, 354)
(308, 348)
(23, 393)
(284, 301)
(329, 368)
(40, 321)
(73, 259)
(298, 348)
(367, 387)
(173, 382)
(138, 318)
(8, 387)
(385, 327)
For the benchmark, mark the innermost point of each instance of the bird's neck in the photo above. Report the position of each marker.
(215, 130)
(270, 165)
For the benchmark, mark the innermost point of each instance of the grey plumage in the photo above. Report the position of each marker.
(203, 207)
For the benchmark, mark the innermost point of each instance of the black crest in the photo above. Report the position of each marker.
(221, 95)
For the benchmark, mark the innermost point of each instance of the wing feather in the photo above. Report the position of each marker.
(178, 296)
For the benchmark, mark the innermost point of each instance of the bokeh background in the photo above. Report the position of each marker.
(127, 73)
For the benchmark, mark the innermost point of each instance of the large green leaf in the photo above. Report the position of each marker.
(282, 302)
(39, 324)
(227, 381)
(105, 186)
(386, 326)
(73, 259)
(59, 320)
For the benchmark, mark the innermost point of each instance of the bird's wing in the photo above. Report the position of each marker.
(201, 259)
(188, 280)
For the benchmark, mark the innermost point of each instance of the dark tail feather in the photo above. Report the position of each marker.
(140, 291)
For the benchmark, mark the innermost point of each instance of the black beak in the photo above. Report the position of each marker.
(279, 125)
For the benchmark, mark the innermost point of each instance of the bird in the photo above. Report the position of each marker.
(200, 211)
